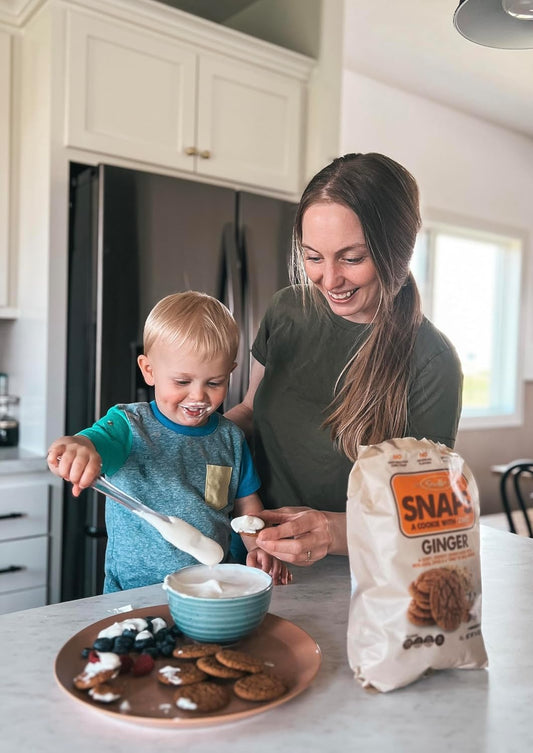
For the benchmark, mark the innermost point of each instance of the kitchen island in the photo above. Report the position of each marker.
(455, 710)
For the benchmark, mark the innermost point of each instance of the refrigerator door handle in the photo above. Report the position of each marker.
(248, 305)
(234, 301)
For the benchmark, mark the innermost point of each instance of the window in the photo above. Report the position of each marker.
(470, 282)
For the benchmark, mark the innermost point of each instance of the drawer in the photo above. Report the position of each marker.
(23, 510)
(23, 563)
(27, 599)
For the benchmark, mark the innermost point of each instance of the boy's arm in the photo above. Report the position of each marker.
(103, 448)
(112, 438)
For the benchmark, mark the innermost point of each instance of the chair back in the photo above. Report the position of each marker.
(512, 491)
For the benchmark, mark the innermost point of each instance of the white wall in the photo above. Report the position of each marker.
(464, 166)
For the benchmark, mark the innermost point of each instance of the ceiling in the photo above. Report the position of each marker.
(214, 10)
(413, 45)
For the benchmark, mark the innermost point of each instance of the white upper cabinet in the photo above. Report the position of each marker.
(130, 93)
(5, 130)
(249, 124)
(136, 94)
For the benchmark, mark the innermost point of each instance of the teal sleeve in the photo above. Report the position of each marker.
(112, 438)
(248, 480)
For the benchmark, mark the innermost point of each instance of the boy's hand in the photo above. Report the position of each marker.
(281, 575)
(75, 459)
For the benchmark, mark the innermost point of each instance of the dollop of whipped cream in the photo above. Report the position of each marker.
(107, 660)
(186, 537)
(117, 628)
(247, 524)
(172, 674)
(103, 694)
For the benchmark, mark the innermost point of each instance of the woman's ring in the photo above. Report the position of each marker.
(308, 559)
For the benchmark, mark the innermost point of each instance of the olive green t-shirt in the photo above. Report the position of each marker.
(303, 351)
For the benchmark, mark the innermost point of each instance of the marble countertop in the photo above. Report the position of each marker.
(464, 711)
(19, 460)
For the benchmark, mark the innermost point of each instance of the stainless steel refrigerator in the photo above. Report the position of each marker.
(135, 237)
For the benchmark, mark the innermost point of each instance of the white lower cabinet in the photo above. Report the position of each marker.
(24, 543)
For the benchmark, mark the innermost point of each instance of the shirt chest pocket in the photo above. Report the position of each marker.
(217, 480)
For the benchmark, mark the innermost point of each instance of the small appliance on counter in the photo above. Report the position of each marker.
(9, 406)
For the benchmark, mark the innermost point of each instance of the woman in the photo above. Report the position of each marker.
(344, 357)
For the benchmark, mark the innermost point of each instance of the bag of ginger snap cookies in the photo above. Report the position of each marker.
(413, 544)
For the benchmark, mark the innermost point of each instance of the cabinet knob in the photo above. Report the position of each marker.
(191, 151)
(205, 154)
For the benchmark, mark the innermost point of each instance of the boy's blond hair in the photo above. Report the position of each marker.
(195, 321)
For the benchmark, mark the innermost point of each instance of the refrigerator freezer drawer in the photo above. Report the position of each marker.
(23, 564)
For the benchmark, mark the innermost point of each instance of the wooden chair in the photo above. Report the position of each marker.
(511, 489)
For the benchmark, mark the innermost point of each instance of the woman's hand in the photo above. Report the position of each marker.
(301, 535)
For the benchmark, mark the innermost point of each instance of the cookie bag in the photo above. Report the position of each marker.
(413, 545)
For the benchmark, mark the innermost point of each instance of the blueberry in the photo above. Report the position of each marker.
(175, 631)
(122, 645)
(161, 635)
(152, 650)
(85, 652)
(166, 649)
(142, 643)
(129, 633)
(103, 644)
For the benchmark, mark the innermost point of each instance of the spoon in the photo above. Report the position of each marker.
(176, 531)
(104, 486)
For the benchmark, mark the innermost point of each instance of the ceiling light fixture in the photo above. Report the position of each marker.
(504, 24)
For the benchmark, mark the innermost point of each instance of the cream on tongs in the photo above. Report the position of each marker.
(178, 532)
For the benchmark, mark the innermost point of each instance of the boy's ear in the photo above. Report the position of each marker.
(146, 369)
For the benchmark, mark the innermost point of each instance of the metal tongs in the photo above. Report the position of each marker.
(103, 486)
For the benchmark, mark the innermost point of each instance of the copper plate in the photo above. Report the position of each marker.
(289, 651)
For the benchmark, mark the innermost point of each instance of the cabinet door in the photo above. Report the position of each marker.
(249, 124)
(23, 510)
(5, 112)
(129, 93)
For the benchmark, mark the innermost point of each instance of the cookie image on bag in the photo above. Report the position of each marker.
(439, 598)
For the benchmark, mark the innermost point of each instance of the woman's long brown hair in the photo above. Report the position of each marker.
(370, 401)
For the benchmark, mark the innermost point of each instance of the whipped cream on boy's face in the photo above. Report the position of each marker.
(188, 386)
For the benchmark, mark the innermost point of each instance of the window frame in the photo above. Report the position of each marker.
(474, 228)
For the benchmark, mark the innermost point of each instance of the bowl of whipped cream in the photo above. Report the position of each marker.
(218, 604)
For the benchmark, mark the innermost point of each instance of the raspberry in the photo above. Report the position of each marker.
(143, 665)
(93, 656)
(126, 663)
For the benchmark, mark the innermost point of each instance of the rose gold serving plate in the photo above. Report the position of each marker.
(287, 650)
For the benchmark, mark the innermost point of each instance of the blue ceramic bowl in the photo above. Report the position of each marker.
(219, 604)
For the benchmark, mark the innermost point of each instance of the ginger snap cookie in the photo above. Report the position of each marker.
(211, 666)
(202, 697)
(240, 660)
(101, 667)
(195, 650)
(180, 674)
(419, 616)
(261, 686)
